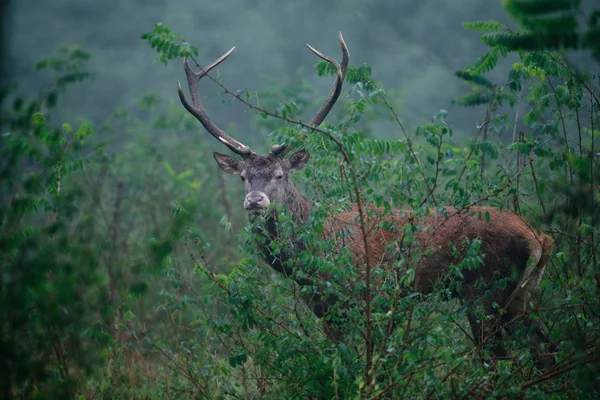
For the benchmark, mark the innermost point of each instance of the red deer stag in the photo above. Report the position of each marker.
(508, 242)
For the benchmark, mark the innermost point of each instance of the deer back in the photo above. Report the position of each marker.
(510, 246)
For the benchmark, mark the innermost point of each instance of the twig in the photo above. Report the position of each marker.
(485, 198)
(408, 143)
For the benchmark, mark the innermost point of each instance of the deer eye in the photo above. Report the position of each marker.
(243, 179)
(279, 177)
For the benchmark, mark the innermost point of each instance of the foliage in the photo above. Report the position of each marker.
(548, 25)
(168, 44)
(86, 236)
(122, 276)
(48, 330)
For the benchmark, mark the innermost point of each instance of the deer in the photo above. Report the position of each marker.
(513, 249)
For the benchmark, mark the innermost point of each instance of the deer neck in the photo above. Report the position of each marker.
(298, 207)
(286, 259)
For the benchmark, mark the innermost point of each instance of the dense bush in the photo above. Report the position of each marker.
(127, 271)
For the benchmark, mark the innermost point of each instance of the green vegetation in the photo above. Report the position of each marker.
(129, 270)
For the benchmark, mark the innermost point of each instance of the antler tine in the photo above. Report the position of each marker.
(282, 149)
(337, 86)
(197, 110)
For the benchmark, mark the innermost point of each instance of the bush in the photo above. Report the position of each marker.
(126, 270)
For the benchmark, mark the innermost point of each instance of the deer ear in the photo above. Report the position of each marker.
(298, 160)
(228, 163)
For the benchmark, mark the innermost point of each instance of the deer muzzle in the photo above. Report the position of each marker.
(256, 202)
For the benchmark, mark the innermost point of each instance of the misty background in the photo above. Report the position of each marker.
(413, 47)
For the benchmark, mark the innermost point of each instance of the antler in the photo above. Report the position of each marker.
(197, 110)
(282, 149)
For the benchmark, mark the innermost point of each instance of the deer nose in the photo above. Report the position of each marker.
(256, 200)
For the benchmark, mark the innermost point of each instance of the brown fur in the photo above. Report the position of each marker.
(500, 238)
(512, 249)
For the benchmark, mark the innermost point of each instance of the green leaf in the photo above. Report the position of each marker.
(184, 174)
(519, 8)
(67, 128)
(531, 70)
(533, 40)
(485, 26)
(485, 63)
(473, 99)
(478, 80)
(138, 288)
(169, 169)
(488, 148)
(37, 118)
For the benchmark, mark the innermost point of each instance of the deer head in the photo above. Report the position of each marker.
(265, 178)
